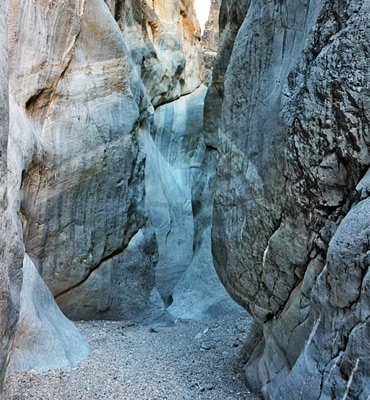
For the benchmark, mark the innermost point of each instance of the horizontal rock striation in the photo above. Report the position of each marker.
(293, 146)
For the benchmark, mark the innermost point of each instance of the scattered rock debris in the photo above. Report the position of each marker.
(128, 362)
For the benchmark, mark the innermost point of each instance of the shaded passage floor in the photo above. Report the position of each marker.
(190, 360)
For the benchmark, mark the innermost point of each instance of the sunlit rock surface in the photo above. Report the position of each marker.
(290, 228)
(164, 42)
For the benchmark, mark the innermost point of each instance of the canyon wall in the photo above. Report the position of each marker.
(82, 176)
(290, 223)
(108, 175)
(106, 145)
(34, 333)
(80, 140)
(10, 249)
(86, 84)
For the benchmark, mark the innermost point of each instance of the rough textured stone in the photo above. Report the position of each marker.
(83, 96)
(11, 252)
(232, 13)
(23, 295)
(210, 39)
(164, 42)
(293, 144)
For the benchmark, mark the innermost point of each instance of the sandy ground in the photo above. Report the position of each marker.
(189, 360)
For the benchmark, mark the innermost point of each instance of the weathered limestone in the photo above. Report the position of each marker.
(11, 252)
(232, 14)
(185, 276)
(45, 339)
(293, 144)
(82, 97)
(83, 168)
(27, 309)
(164, 42)
(210, 39)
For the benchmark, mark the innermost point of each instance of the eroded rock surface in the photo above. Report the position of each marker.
(11, 252)
(176, 151)
(27, 309)
(293, 145)
(102, 85)
(164, 42)
(45, 339)
(210, 39)
(82, 167)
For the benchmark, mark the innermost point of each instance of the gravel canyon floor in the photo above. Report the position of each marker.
(189, 360)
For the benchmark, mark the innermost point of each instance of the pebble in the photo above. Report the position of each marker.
(141, 365)
(205, 346)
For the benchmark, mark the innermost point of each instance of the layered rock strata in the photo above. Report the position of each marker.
(290, 227)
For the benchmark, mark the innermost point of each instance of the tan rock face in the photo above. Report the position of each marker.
(164, 42)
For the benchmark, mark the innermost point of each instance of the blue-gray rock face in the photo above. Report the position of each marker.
(293, 145)
(175, 168)
(45, 339)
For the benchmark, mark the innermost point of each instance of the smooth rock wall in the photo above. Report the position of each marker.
(11, 252)
(185, 275)
(24, 296)
(293, 145)
(82, 180)
(45, 339)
